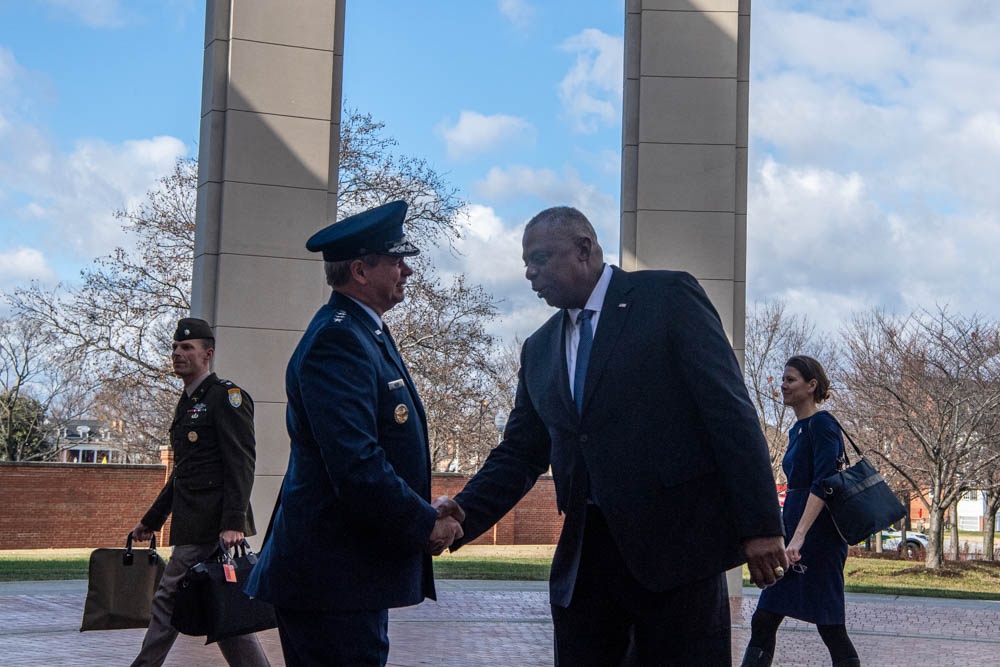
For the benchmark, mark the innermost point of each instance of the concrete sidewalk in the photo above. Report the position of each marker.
(506, 624)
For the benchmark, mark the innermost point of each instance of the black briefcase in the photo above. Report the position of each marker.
(120, 587)
(210, 600)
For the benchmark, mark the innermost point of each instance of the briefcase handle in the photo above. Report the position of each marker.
(224, 555)
(127, 558)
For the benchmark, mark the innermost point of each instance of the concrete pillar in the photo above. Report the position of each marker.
(684, 145)
(267, 180)
(684, 148)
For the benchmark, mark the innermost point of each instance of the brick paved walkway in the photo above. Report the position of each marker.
(506, 624)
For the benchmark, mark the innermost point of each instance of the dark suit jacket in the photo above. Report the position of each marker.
(354, 516)
(214, 452)
(672, 444)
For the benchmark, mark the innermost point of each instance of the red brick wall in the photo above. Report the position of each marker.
(534, 520)
(79, 505)
(56, 505)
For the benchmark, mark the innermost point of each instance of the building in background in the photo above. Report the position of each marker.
(91, 441)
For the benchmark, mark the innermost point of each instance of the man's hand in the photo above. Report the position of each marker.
(446, 506)
(141, 532)
(766, 559)
(231, 538)
(446, 530)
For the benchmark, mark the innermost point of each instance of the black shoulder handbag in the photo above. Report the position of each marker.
(858, 498)
(210, 600)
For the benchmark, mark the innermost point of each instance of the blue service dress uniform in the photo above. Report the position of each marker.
(351, 528)
(349, 533)
(816, 595)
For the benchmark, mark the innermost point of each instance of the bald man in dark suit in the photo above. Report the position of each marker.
(632, 393)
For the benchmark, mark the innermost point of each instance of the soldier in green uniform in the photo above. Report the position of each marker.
(208, 492)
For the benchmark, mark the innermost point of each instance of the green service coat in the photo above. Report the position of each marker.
(212, 436)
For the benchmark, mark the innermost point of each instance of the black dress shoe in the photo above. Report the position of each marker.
(755, 657)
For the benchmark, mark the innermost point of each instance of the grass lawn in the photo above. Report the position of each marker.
(966, 579)
(520, 562)
(973, 580)
(962, 579)
(43, 564)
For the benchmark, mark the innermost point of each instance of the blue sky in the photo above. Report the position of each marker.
(875, 134)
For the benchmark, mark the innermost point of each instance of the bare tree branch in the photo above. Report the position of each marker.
(926, 397)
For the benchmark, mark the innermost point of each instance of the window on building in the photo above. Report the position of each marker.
(968, 523)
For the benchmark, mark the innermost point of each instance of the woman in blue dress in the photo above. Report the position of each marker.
(813, 588)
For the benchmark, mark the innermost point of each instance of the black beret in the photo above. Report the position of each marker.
(376, 231)
(191, 327)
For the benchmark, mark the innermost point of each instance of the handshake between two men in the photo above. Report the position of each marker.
(448, 526)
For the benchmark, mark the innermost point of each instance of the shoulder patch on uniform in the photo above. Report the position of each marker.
(235, 397)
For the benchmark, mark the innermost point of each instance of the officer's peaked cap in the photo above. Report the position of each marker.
(192, 327)
(376, 231)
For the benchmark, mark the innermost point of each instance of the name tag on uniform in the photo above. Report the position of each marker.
(396, 384)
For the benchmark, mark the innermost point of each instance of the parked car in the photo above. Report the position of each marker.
(914, 549)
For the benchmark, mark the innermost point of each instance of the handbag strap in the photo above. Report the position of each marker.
(849, 439)
(847, 459)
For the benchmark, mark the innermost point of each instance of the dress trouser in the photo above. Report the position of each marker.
(244, 650)
(613, 620)
(315, 638)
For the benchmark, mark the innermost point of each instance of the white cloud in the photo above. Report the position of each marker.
(475, 134)
(875, 95)
(518, 12)
(802, 220)
(856, 49)
(482, 223)
(64, 201)
(553, 188)
(73, 196)
(591, 92)
(93, 13)
(98, 178)
(819, 240)
(21, 265)
(821, 122)
(489, 254)
(875, 153)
